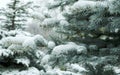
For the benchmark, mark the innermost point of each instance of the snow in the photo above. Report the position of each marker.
(116, 30)
(58, 50)
(104, 3)
(24, 61)
(77, 68)
(14, 47)
(6, 42)
(60, 16)
(39, 16)
(57, 71)
(64, 49)
(3, 33)
(81, 50)
(114, 6)
(45, 59)
(82, 5)
(52, 3)
(5, 52)
(18, 32)
(51, 44)
(19, 40)
(27, 42)
(103, 37)
(117, 70)
(50, 21)
(40, 54)
(30, 71)
(64, 23)
(40, 39)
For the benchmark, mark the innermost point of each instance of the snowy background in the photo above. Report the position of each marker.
(61, 37)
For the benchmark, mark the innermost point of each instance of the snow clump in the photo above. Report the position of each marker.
(70, 47)
(26, 42)
(51, 44)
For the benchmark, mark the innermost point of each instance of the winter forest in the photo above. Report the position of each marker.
(60, 37)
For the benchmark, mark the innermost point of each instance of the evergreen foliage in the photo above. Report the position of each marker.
(90, 45)
(15, 15)
(16, 51)
(87, 18)
(99, 69)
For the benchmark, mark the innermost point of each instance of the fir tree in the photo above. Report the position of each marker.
(90, 19)
(15, 14)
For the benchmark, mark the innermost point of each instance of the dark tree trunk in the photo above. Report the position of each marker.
(14, 15)
(13, 23)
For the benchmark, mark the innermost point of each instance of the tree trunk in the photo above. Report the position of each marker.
(14, 15)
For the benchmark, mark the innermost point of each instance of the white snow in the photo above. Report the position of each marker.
(15, 47)
(13, 40)
(51, 44)
(18, 32)
(27, 42)
(50, 17)
(50, 21)
(57, 71)
(40, 54)
(76, 68)
(64, 23)
(45, 59)
(116, 30)
(63, 49)
(83, 5)
(114, 6)
(40, 39)
(58, 50)
(103, 37)
(117, 70)
(24, 61)
(30, 71)
(81, 50)
(5, 52)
